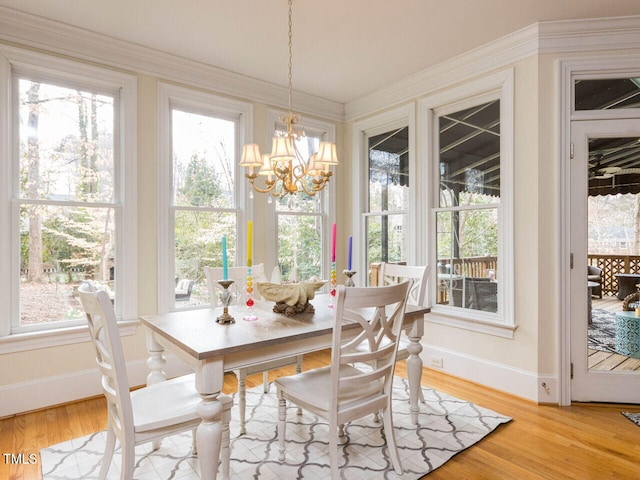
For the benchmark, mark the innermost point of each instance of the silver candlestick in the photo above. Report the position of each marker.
(349, 281)
(225, 300)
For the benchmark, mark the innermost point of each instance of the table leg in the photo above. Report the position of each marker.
(156, 363)
(414, 368)
(209, 379)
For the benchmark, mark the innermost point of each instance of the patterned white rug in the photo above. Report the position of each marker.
(446, 427)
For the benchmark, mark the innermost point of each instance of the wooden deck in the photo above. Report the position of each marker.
(599, 360)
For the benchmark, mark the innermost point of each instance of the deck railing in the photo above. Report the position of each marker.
(475, 267)
(612, 264)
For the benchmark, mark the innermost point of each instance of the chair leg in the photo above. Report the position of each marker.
(421, 396)
(242, 399)
(265, 382)
(282, 426)
(387, 422)
(299, 370)
(109, 447)
(194, 446)
(334, 457)
(128, 461)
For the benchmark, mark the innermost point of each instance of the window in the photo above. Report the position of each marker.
(301, 221)
(72, 176)
(472, 201)
(200, 135)
(386, 219)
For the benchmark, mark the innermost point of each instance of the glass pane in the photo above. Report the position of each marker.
(389, 171)
(66, 143)
(607, 94)
(59, 248)
(203, 160)
(470, 154)
(300, 245)
(613, 258)
(198, 237)
(467, 253)
(386, 241)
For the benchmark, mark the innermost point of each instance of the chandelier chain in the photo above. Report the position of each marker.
(290, 56)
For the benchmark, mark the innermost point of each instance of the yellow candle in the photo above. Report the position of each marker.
(249, 242)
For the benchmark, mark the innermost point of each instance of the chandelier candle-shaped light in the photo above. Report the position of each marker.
(285, 171)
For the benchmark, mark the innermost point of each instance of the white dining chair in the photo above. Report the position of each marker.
(239, 277)
(391, 273)
(342, 392)
(146, 414)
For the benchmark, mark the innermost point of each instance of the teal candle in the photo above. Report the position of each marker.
(225, 268)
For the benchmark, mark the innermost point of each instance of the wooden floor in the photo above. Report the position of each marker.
(542, 442)
(599, 360)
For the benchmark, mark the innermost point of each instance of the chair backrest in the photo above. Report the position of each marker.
(391, 273)
(379, 314)
(105, 337)
(239, 277)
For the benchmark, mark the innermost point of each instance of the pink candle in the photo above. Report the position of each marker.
(333, 242)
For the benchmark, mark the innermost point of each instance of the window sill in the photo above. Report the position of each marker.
(21, 342)
(475, 324)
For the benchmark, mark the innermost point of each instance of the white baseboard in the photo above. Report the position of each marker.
(505, 378)
(45, 392)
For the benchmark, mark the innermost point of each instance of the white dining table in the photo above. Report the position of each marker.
(212, 348)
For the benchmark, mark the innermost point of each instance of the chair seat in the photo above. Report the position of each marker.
(164, 404)
(311, 388)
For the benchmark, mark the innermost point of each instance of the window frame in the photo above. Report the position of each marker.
(185, 99)
(16, 63)
(327, 132)
(498, 86)
(394, 119)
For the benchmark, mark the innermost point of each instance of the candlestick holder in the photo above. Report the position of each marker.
(333, 282)
(349, 281)
(250, 316)
(225, 300)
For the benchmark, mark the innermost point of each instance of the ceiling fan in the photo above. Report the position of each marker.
(597, 171)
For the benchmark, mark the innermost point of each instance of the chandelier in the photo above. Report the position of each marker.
(284, 171)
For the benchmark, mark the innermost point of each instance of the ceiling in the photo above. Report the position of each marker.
(342, 49)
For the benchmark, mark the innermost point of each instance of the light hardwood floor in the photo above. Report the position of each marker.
(579, 442)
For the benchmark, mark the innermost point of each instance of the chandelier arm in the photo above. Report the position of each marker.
(252, 179)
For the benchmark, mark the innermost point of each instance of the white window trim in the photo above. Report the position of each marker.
(15, 59)
(328, 195)
(594, 67)
(500, 86)
(171, 96)
(404, 116)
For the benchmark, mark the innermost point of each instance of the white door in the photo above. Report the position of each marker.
(604, 152)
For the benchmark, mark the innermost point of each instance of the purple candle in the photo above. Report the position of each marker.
(349, 250)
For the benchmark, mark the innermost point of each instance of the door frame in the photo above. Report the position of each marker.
(568, 70)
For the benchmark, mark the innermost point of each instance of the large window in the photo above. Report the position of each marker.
(70, 200)
(471, 163)
(467, 213)
(301, 220)
(386, 219)
(200, 135)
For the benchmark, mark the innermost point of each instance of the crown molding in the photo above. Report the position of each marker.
(22, 29)
(571, 36)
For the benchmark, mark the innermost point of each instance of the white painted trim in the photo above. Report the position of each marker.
(6, 285)
(475, 321)
(170, 96)
(505, 378)
(56, 337)
(63, 39)
(570, 36)
(403, 116)
(58, 389)
(566, 70)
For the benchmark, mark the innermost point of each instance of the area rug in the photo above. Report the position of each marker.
(634, 417)
(446, 427)
(602, 331)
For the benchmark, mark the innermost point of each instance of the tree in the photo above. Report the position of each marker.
(35, 272)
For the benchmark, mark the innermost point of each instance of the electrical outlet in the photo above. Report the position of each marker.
(436, 362)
